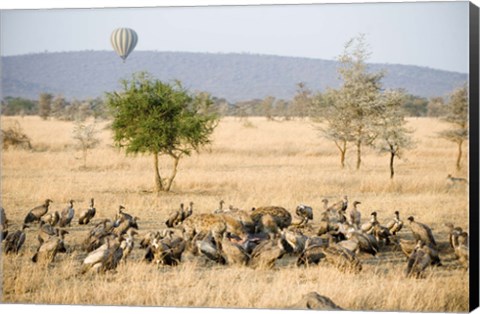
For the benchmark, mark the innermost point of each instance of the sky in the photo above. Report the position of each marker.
(431, 34)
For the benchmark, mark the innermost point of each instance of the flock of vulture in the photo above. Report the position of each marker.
(254, 238)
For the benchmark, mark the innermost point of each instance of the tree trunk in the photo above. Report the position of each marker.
(359, 154)
(392, 157)
(158, 179)
(176, 159)
(343, 152)
(459, 156)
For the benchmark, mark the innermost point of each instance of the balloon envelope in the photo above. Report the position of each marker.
(123, 41)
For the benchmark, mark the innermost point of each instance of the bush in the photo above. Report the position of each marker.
(14, 136)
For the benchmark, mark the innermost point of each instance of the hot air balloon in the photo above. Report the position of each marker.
(123, 41)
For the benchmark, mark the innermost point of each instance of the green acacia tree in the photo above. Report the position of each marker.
(152, 117)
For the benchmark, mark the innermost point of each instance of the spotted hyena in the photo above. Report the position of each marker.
(280, 215)
(201, 224)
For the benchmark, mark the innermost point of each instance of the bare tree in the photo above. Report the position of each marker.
(86, 137)
(457, 116)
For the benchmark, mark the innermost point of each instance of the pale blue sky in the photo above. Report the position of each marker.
(432, 34)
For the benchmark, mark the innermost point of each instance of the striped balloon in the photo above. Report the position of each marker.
(123, 41)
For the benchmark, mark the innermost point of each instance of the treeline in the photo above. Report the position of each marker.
(54, 106)
(57, 106)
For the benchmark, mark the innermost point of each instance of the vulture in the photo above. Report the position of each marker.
(340, 205)
(49, 248)
(305, 213)
(14, 241)
(3, 224)
(381, 233)
(36, 213)
(368, 226)
(209, 247)
(313, 252)
(293, 241)
(87, 214)
(51, 218)
(233, 252)
(421, 232)
(46, 230)
(175, 218)
(66, 216)
(266, 253)
(104, 258)
(453, 235)
(123, 224)
(461, 251)
(418, 261)
(350, 244)
(98, 234)
(121, 215)
(342, 258)
(355, 216)
(395, 225)
(148, 239)
(219, 210)
(366, 244)
(129, 243)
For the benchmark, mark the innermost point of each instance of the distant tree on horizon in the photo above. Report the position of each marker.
(45, 105)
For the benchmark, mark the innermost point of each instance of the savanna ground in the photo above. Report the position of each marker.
(248, 165)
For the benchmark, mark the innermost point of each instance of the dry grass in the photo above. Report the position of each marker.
(267, 163)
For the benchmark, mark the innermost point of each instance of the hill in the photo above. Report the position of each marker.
(235, 77)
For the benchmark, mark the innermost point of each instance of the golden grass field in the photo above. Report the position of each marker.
(263, 163)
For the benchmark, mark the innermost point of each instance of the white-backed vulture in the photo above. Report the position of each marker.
(421, 232)
(36, 213)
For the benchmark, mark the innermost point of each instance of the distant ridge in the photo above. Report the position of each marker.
(235, 77)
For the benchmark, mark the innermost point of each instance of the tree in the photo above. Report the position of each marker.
(392, 135)
(267, 107)
(302, 101)
(415, 106)
(359, 93)
(282, 108)
(157, 118)
(18, 106)
(85, 135)
(44, 105)
(327, 108)
(58, 106)
(456, 113)
(436, 107)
